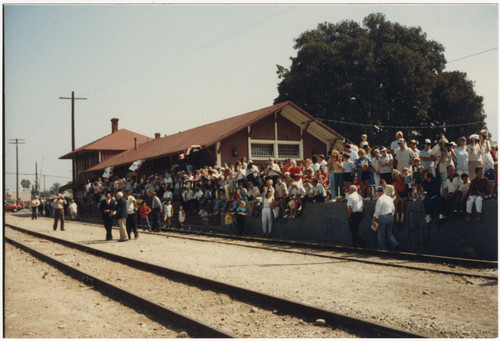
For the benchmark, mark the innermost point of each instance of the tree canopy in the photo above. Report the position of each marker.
(377, 79)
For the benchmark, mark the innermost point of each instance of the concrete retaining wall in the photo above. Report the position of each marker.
(455, 237)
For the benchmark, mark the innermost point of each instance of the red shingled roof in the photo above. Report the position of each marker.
(120, 140)
(206, 136)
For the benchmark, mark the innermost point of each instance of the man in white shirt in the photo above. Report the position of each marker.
(35, 204)
(384, 213)
(395, 144)
(404, 156)
(355, 214)
(318, 192)
(451, 192)
(131, 216)
(352, 154)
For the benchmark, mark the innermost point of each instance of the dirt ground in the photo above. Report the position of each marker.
(436, 305)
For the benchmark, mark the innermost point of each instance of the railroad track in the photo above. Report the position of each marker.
(286, 309)
(406, 260)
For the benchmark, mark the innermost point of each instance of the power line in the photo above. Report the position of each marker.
(472, 55)
(32, 174)
(400, 127)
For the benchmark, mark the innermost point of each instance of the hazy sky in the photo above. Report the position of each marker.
(170, 67)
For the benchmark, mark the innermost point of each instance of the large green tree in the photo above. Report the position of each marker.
(377, 78)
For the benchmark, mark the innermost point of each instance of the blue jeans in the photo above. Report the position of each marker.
(433, 204)
(145, 221)
(385, 231)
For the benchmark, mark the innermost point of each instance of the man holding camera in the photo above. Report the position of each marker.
(444, 155)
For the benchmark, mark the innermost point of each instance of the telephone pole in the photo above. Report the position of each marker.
(36, 178)
(17, 142)
(72, 98)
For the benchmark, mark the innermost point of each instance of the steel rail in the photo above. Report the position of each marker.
(195, 328)
(400, 255)
(362, 327)
(354, 259)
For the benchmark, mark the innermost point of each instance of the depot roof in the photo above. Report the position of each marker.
(209, 134)
(120, 140)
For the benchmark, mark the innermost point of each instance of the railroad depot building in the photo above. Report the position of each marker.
(91, 154)
(280, 131)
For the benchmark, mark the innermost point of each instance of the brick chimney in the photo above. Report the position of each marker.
(157, 136)
(114, 125)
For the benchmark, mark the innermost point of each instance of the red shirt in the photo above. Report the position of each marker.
(294, 171)
(144, 211)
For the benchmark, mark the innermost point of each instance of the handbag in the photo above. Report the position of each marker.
(228, 220)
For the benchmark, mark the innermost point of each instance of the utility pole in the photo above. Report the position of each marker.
(17, 142)
(72, 98)
(36, 178)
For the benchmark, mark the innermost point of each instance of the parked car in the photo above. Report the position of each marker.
(10, 205)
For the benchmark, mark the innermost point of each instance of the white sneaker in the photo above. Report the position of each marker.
(428, 219)
(441, 216)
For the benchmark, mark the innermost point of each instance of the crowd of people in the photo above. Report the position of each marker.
(448, 177)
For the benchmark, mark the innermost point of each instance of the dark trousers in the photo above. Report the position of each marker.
(433, 204)
(34, 213)
(240, 224)
(156, 219)
(354, 221)
(108, 225)
(59, 215)
(132, 225)
(452, 203)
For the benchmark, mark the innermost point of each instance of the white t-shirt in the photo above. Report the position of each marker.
(452, 185)
(355, 201)
(404, 157)
(130, 204)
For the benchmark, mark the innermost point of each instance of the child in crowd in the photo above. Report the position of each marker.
(463, 191)
(408, 181)
(168, 212)
(73, 209)
(182, 217)
(349, 169)
(204, 218)
(417, 178)
(240, 213)
(401, 195)
(143, 214)
(364, 141)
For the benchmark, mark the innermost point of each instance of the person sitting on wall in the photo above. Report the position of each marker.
(479, 188)
(432, 200)
(318, 192)
(451, 192)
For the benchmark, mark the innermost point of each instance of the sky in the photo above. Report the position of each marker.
(165, 68)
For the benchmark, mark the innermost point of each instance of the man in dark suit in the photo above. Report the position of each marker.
(107, 206)
(120, 214)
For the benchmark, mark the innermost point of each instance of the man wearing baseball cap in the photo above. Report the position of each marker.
(395, 144)
(403, 156)
(426, 157)
(384, 213)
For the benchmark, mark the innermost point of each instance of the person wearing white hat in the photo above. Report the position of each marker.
(385, 162)
(485, 143)
(35, 204)
(475, 151)
(426, 157)
(462, 156)
(395, 144)
(403, 156)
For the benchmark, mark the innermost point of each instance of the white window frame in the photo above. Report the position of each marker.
(275, 144)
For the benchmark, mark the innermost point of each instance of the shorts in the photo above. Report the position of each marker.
(365, 176)
(348, 177)
(387, 177)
